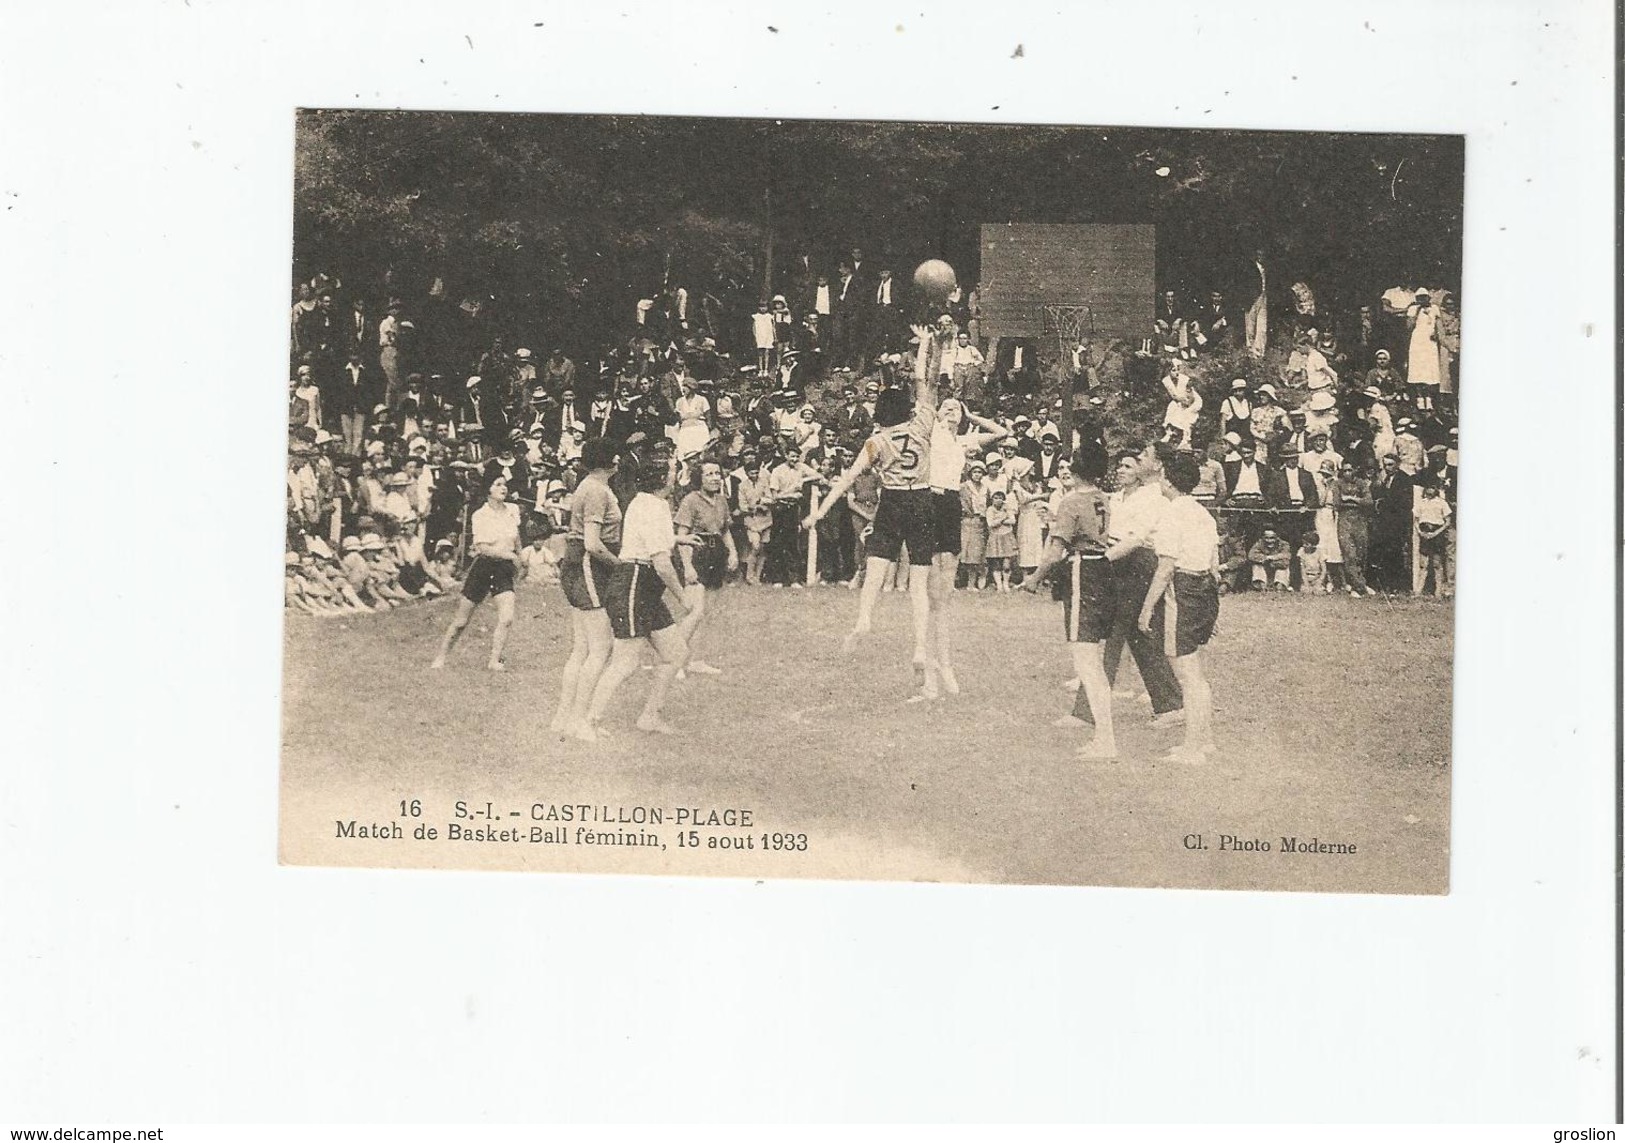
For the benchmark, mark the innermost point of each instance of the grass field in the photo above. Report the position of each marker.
(1333, 722)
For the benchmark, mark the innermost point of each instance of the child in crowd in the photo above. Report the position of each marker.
(542, 555)
(444, 563)
(1432, 514)
(1001, 540)
(1312, 566)
(1272, 562)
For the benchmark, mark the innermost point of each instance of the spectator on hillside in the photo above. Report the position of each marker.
(1184, 404)
(1389, 565)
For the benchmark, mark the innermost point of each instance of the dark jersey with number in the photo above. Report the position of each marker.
(903, 452)
(1080, 522)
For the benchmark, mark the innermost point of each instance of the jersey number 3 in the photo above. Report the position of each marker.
(910, 457)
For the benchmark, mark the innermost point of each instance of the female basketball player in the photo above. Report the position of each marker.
(496, 562)
(1078, 538)
(637, 607)
(949, 445)
(590, 548)
(1182, 603)
(703, 515)
(900, 451)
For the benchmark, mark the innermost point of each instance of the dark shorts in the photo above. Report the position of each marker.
(710, 562)
(945, 525)
(904, 518)
(585, 581)
(487, 577)
(1194, 610)
(636, 602)
(1085, 587)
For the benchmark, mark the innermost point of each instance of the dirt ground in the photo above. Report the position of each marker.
(1333, 724)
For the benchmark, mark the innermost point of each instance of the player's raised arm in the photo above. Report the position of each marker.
(992, 431)
(924, 387)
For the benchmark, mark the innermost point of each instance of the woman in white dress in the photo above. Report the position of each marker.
(693, 420)
(1032, 522)
(1422, 366)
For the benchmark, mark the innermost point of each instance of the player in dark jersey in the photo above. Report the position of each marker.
(705, 563)
(899, 451)
(590, 555)
(1078, 541)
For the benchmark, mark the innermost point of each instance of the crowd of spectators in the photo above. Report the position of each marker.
(1336, 472)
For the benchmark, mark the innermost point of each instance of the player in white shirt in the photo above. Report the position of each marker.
(900, 451)
(1181, 605)
(636, 603)
(496, 562)
(949, 448)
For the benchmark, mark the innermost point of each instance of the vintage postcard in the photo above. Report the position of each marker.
(872, 500)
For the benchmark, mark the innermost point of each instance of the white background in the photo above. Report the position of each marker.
(157, 966)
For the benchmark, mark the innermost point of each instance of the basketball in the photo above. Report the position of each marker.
(935, 278)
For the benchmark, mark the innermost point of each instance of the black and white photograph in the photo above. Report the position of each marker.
(864, 499)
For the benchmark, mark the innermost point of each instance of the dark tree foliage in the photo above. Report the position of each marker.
(562, 222)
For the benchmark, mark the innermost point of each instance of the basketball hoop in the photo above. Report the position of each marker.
(1070, 324)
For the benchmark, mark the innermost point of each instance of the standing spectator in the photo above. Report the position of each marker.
(863, 499)
(763, 331)
(1210, 483)
(1448, 334)
(1432, 516)
(1409, 448)
(1393, 497)
(1294, 495)
(1001, 540)
(973, 504)
(1236, 410)
(1269, 418)
(352, 394)
(1256, 321)
(1422, 365)
(389, 352)
(558, 372)
(306, 390)
(1032, 523)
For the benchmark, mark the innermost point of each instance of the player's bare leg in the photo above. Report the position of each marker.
(673, 650)
(459, 621)
(945, 568)
(600, 644)
(499, 637)
(1086, 660)
(874, 576)
(572, 672)
(919, 598)
(1193, 682)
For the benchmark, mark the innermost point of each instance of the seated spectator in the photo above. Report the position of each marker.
(1184, 403)
(1271, 558)
(1234, 566)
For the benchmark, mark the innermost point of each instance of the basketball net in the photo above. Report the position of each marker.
(1070, 324)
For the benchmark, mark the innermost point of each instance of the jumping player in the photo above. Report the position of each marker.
(900, 451)
(949, 447)
(703, 515)
(590, 555)
(1181, 606)
(496, 562)
(1078, 538)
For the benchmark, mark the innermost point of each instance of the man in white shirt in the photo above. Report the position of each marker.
(1132, 527)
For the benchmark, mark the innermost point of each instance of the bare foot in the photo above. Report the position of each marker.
(950, 682)
(496, 665)
(1070, 722)
(654, 726)
(439, 664)
(1097, 751)
(1190, 756)
(850, 643)
(585, 731)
